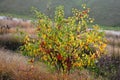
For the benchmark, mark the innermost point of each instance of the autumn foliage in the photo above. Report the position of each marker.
(66, 43)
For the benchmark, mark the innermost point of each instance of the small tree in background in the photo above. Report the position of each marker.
(66, 43)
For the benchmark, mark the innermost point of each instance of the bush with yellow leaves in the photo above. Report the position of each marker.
(66, 43)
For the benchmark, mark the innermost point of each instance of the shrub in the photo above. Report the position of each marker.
(109, 66)
(66, 43)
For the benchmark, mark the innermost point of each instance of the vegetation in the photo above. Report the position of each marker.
(105, 12)
(59, 47)
(109, 66)
(66, 43)
(19, 16)
(11, 62)
(14, 66)
(116, 28)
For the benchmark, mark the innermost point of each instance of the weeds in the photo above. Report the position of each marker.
(109, 66)
(16, 67)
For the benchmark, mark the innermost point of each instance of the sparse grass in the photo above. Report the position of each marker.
(17, 26)
(26, 17)
(113, 47)
(10, 41)
(12, 36)
(116, 28)
(14, 66)
(15, 23)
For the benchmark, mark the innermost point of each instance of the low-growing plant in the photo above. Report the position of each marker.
(66, 43)
(109, 66)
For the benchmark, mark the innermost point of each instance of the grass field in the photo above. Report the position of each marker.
(116, 28)
(14, 66)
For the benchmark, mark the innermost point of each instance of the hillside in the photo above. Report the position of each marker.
(106, 12)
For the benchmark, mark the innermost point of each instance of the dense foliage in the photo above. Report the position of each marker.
(66, 43)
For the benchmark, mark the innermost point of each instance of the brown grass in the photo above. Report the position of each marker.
(15, 67)
(15, 23)
(12, 36)
(109, 64)
(25, 26)
(113, 41)
(16, 26)
(113, 50)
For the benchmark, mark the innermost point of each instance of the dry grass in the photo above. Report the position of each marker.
(12, 36)
(113, 50)
(113, 38)
(15, 26)
(113, 41)
(25, 26)
(14, 23)
(15, 67)
(8, 40)
(109, 64)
